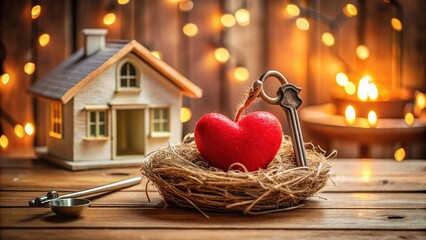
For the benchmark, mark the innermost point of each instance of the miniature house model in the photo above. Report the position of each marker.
(111, 103)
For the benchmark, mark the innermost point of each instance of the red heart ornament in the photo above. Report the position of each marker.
(253, 141)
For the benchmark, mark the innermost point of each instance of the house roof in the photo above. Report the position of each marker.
(78, 70)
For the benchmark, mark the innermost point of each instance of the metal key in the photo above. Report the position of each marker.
(288, 98)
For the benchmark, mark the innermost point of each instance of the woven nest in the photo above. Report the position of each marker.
(184, 179)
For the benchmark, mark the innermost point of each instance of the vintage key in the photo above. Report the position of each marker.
(288, 98)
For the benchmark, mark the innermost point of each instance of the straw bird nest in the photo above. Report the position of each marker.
(184, 179)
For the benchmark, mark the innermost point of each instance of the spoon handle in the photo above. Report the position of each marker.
(43, 200)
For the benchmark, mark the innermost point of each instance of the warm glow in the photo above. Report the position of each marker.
(350, 115)
(4, 141)
(302, 24)
(241, 74)
(363, 88)
(228, 20)
(409, 119)
(123, 2)
(342, 79)
(186, 6)
(157, 54)
(109, 18)
(373, 92)
(372, 118)
(5, 78)
(362, 52)
(44, 39)
(420, 100)
(350, 10)
(185, 114)
(396, 24)
(221, 55)
(399, 154)
(190, 29)
(242, 16)
(366, 173)
(29, 68)
(328, 39)
(35, 11)
(350, 88)
(29, 129)
(293, 10)
(19, 131)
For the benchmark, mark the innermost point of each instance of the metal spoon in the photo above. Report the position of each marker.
(69, 205)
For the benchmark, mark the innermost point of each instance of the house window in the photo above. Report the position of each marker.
(160, 121)
(128, 76)
(97, 124)
(56, 119)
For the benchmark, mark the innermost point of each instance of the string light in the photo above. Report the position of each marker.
(350, 115)
(409, 119)
(123, 2)
(373, 92)
(44, 39)
(109, 18)
(350, 88)
(4, 142)
(228, 20)
(328, 39)
(396, 24)
(350, 10)
(29, 68)
(242, 16)
(399, 154)
(362, 52)
(241, 74)
(157, 54)
(5, 78)
(293, 10)
(35, 11)
(190, 29)
(372, 118)
(302, 24)
(363, 88)
(221, 54)
(29, 129)
(185, 114)
(420, 101)
(19, 131)
(186, 6)
(342, 79)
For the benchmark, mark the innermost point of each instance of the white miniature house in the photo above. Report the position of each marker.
(111, 103)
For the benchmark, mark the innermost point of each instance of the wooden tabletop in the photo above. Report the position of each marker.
(369, 199)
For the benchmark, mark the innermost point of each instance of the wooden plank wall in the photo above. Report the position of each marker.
(272, 41)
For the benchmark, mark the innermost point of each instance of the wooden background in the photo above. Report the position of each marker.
(271, 41)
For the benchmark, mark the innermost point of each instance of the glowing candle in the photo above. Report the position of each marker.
(399, 154)
(350, 115)
(372, 118)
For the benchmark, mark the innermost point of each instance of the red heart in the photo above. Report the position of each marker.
(253, 141)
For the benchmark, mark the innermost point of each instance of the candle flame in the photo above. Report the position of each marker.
(350, 115)
(399, 154)
(372, 118)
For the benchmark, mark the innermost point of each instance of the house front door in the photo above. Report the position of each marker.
(129, 137)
